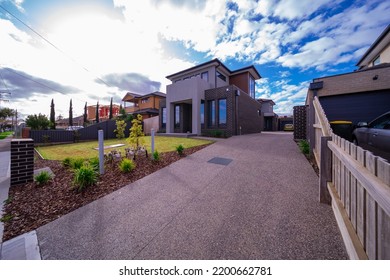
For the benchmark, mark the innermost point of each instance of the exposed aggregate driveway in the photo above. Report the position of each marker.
(258, 201)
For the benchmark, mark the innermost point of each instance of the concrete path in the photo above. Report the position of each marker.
(4, 179)
(247, 197)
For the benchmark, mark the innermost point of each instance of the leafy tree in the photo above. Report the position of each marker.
(70, 113)
(135, 139)
(120, 129)
(52, 115)
(97, 112)
(123, 115)
(6, 113)
(37, 122)
(110, 116)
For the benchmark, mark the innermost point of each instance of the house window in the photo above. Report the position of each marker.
(222, 77)
(251, 86)
(202, 113)
(222, 112)
(177, 115)
(211, 111)
(376, 61)
(144, 100)
(164, 117)
(205, 76)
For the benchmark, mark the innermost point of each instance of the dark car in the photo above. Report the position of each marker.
(374, 136)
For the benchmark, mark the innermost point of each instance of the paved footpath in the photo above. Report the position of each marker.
(256, 199)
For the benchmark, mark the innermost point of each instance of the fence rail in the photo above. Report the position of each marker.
(358, 185)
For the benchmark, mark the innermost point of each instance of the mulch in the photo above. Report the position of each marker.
(31, 205)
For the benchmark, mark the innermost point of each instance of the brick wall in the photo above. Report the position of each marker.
(241, 110)
(22, 161)
(228, 93)
(359, 81)
(249, 118)
(300, 122)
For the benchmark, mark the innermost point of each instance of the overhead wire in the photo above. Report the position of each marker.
(55, 47)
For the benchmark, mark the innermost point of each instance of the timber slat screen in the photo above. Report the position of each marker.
(360, 190)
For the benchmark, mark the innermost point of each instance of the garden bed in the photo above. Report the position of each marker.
(30, 206)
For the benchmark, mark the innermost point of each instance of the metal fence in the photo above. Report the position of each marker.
(83, 134)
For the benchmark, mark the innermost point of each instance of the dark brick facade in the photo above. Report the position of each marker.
(300, 122)
(22, 161)
(242, 112)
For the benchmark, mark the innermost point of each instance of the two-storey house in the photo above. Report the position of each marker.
(210, 98)
(146, 105)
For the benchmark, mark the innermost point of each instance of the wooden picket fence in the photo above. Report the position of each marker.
(357, 184)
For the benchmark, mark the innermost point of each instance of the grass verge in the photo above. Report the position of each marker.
(87, 149)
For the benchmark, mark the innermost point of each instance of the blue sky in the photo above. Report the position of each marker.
(104, 48)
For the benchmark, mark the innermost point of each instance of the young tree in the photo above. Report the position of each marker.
(52, 116)
(120, 129)
(70, 113)
(136, 133)
(110, 116)
(97, 112)
(37, 122)
(85, 121)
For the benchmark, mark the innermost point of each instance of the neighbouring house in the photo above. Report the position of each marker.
(211, 99)
(62, 123)
(104, 112)
(147, 105)
(270, 119)
(361, 95)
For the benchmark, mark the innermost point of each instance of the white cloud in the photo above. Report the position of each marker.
(292, 9)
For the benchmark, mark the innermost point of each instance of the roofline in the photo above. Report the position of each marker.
(215, 60)
(373, 46)
(380, 66)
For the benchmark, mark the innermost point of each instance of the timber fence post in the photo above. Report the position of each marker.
(325, 170)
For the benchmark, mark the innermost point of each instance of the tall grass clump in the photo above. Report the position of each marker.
(126, 165)
(84, 176)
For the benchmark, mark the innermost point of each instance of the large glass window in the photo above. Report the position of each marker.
(164, 117)
(211, 111)
(251, 86)
(177, 115)
(221, 76)
(205, 76)
(222, 112)
(202, 113)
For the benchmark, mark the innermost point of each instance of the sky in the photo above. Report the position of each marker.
(92, 50)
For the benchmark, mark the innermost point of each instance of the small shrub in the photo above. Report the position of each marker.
(42, 178)
(156, 156)
(76, 163)
(84, 176)
(94, 163)
(126, 165)
(180, 149)
(304, 147)
(66, 162)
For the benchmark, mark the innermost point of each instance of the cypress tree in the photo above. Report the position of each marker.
(85, 114)
(110, 116)
(52, 115)
(97, 112)
(70, 113)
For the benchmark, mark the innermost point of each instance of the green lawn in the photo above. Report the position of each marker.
(86, 149)
(5, 134)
